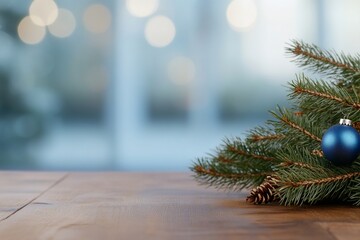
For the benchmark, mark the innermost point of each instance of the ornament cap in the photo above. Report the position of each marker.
(346, 122)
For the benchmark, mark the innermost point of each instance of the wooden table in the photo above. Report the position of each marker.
(116, 205)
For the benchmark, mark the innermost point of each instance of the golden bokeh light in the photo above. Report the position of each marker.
(181, 70)
(64, 25)
(97, 18)
(241, 14)
(43, 12)
(160, 31)
(29, 32)
(142, 8)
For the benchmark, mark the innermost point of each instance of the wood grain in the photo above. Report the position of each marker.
(17, 189)
(165, 206)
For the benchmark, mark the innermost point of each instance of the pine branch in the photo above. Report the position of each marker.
(287, 149)
(354, 191)
(300, 157)
(223, 159)
(235, 150)
(234, 165)
(317, 152)
(256, 138)
(212, 172)
(245, 155)
(222, 177)
(320, 92)
(299, 128)
(306, 90)
(290, 163)
(299, 113)
(297, 187)
(265, 137)
(312, 178)
(320, 181)
(325, 62)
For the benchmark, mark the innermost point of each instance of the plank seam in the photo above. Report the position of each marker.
(32, 200)
(328, 230)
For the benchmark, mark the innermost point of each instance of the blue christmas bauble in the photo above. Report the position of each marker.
(341, 144)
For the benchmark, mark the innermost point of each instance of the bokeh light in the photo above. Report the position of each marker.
(97, 18)
(142, 8)
(64, 25)
(160, 31)
(43, 12)
(181, 70)
(29, 32)
(241, 14)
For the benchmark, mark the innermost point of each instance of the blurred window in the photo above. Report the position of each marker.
(148, 84)
(191, 72)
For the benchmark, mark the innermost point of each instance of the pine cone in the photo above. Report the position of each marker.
(265, 193)
(356, 125)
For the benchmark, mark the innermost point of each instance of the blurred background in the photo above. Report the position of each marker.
(148, 84)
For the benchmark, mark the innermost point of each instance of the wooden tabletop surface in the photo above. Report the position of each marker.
(114, 205)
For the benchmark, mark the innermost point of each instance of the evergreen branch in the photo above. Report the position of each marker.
(312, 52)
(320, 89)
(354, 189)
(239, 154)
(320, 181)
(299, 128)
(289, 163)
(256, 138)
(265, 137)
(298, 157)
(318, 99)
(324, 95)
(307, 186)
(317, 152)
(299, 113)
(212, 172)
(226, 176)
(287, 149)
(324, 182)
(240, 159)
(335, 65)
(223, 159)
(247, 154)
(234, 165)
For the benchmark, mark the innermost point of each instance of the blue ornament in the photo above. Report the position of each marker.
(341, 143)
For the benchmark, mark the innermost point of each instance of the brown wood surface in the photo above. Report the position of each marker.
(19, 189)
(153, 206)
